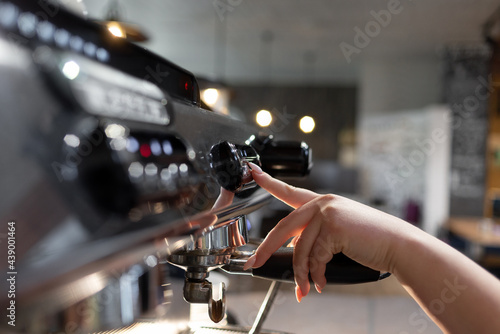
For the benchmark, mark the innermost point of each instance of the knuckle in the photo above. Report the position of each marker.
(323, 252)
(301, 276)
(329, 197)
(314, 265)
(301, 267)
(299, 244)
(328, 212)
(289, 190)
(327, 202)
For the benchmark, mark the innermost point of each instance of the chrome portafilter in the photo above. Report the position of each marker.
(210, 251)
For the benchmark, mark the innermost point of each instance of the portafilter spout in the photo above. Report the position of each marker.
(210, 251)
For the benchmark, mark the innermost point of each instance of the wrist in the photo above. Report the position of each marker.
(409, 252)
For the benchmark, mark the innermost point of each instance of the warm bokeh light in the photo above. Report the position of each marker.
(307, 124)
(264, 118)
(210, 96)
(115, 29)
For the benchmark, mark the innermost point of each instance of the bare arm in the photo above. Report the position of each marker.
(459, 295)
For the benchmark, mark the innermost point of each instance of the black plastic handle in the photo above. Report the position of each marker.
(340, 270)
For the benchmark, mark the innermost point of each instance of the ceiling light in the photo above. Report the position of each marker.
(116, 29)
(264, 118)
(307, 124)
(115, 24)
(210, 96)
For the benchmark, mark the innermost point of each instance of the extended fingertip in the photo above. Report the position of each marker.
(254, 168)
(318, 288)
(250, 262)
(298, 293)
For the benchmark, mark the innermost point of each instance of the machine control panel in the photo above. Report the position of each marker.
(128, 169)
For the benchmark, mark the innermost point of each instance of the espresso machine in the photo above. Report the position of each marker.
(112, 174)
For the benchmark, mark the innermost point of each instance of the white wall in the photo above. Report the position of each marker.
(399, 84)
(393, 109)
(405, 156)
(437, 174)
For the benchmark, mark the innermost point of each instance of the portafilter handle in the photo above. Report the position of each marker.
(279, 267)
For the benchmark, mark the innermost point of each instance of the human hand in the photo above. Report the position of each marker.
(324, 225)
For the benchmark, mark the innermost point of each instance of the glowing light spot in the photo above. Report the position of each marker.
(264, 118)
(151, 260)
(116, 30)
(136, 169)
(71, 70)
(115, 131)
(151, 169)
(173, 168)
(210, 96)
(72, 140)
(307, 124)
(183, 168)
(118, 144)
(155, 147)
(132, 145)
(167, 147)
(145, 150)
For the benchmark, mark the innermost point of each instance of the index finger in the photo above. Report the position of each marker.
(290, 226)
(293, 196)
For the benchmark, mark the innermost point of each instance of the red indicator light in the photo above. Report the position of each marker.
(145, 150)
(186, 86)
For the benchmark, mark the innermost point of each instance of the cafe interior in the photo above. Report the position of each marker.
(392, 103)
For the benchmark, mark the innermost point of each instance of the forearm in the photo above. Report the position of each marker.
(459, 295)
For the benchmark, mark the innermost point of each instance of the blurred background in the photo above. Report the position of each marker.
(398, 100)
(377, 78)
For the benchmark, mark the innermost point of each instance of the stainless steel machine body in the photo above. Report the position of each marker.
(110, 168)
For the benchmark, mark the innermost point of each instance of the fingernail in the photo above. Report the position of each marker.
(298, 293)
(318, 288)
(255, 168)
(250, 262)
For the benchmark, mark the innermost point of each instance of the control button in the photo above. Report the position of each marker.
(8, 15)
(90, 49)
(27, 24)
(61, 37)
(76, 43)
(132, 144)
(155, 147)
(45, 31)
(145, 150)
(229, 162)
(102, 55)
(135, 170)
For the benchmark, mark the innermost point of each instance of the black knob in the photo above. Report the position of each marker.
(283, 158)
(229, 162)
